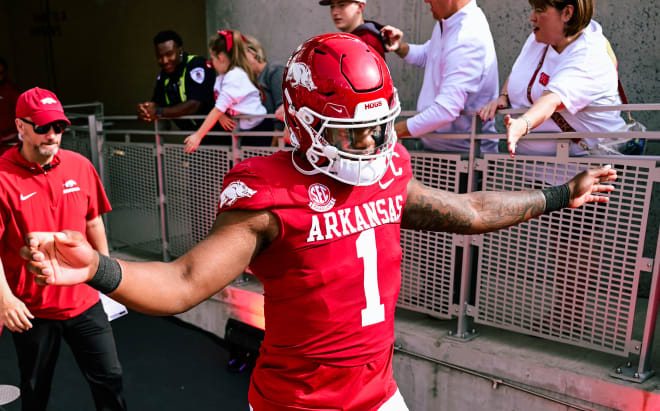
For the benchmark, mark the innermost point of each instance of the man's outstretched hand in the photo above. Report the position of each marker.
(585, 186)
(63, 258)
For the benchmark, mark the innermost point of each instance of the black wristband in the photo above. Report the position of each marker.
(159, 111)
(556, 198)
(108, 275)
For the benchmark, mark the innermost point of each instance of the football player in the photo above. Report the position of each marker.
(320, 227)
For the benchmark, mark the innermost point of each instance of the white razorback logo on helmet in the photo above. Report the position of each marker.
(48, 100)
(233, 192)
(300, 75)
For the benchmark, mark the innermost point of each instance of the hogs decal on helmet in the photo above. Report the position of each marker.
(340, 106)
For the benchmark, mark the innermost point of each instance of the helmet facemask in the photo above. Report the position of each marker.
(354, 151)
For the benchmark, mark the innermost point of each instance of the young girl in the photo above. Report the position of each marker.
(236, 88)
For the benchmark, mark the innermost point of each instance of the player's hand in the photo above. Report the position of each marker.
(63, 258)
(392, 37)
(585, 186)
(192, 142)
(515, 129)
(488, 111)
(14, 314)
(227, 122)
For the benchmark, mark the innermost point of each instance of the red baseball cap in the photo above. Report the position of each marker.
(42, 106)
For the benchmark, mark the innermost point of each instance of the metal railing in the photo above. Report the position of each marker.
(571, 276)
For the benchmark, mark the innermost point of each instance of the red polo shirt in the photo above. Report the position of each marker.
(64, 197)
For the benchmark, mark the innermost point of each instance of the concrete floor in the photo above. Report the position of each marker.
(168, 366)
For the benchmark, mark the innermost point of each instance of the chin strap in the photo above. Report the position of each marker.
(300, 169)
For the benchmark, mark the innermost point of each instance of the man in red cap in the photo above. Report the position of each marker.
(45, 188)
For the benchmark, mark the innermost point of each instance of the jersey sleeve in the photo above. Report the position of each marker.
(4, 210)
(245, 188)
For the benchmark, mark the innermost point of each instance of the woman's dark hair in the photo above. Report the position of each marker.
(583, 11)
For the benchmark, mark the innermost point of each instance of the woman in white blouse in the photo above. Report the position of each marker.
(565, 63)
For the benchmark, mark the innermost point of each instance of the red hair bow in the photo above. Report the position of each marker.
(229, 38)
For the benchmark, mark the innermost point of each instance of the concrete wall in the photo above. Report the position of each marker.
(632, 26)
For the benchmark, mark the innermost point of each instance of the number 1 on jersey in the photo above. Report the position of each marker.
(366, 250)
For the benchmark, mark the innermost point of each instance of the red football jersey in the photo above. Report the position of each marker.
(64, 197)
(331, 279)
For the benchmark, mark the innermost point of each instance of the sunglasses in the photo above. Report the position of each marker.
(58, 127)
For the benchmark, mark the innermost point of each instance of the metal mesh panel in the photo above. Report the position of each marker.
(570, 276)
(427, 267)
(249, 151)
(78, 141)
(193, 185)
(131, 184)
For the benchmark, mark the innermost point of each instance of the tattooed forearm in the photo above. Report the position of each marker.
(430, 211)
(502, 209)
(478, 212)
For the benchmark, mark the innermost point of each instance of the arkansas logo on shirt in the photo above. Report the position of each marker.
(237, 189)
(544, 79)
(70, 186)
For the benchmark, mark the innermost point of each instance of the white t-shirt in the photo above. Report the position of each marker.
(584, 74)
(460, 74)
(235, 94)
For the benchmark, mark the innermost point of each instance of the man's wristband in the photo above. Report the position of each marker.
(107, 276)
(159, 111)
(556, 198)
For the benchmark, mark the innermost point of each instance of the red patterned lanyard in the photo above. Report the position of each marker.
(556, 117)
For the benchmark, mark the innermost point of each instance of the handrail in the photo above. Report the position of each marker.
(409, 113)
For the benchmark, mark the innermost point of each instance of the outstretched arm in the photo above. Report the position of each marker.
(154, 287)
(538, 113)
(485, 211)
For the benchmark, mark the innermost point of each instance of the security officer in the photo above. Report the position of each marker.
(184, 85)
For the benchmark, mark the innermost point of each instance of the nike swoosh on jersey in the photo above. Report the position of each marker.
(23, 198)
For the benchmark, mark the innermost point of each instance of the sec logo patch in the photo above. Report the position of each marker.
(320, 198)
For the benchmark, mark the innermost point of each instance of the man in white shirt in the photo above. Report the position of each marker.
(460, 73)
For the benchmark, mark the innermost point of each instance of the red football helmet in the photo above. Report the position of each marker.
(339, 100)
